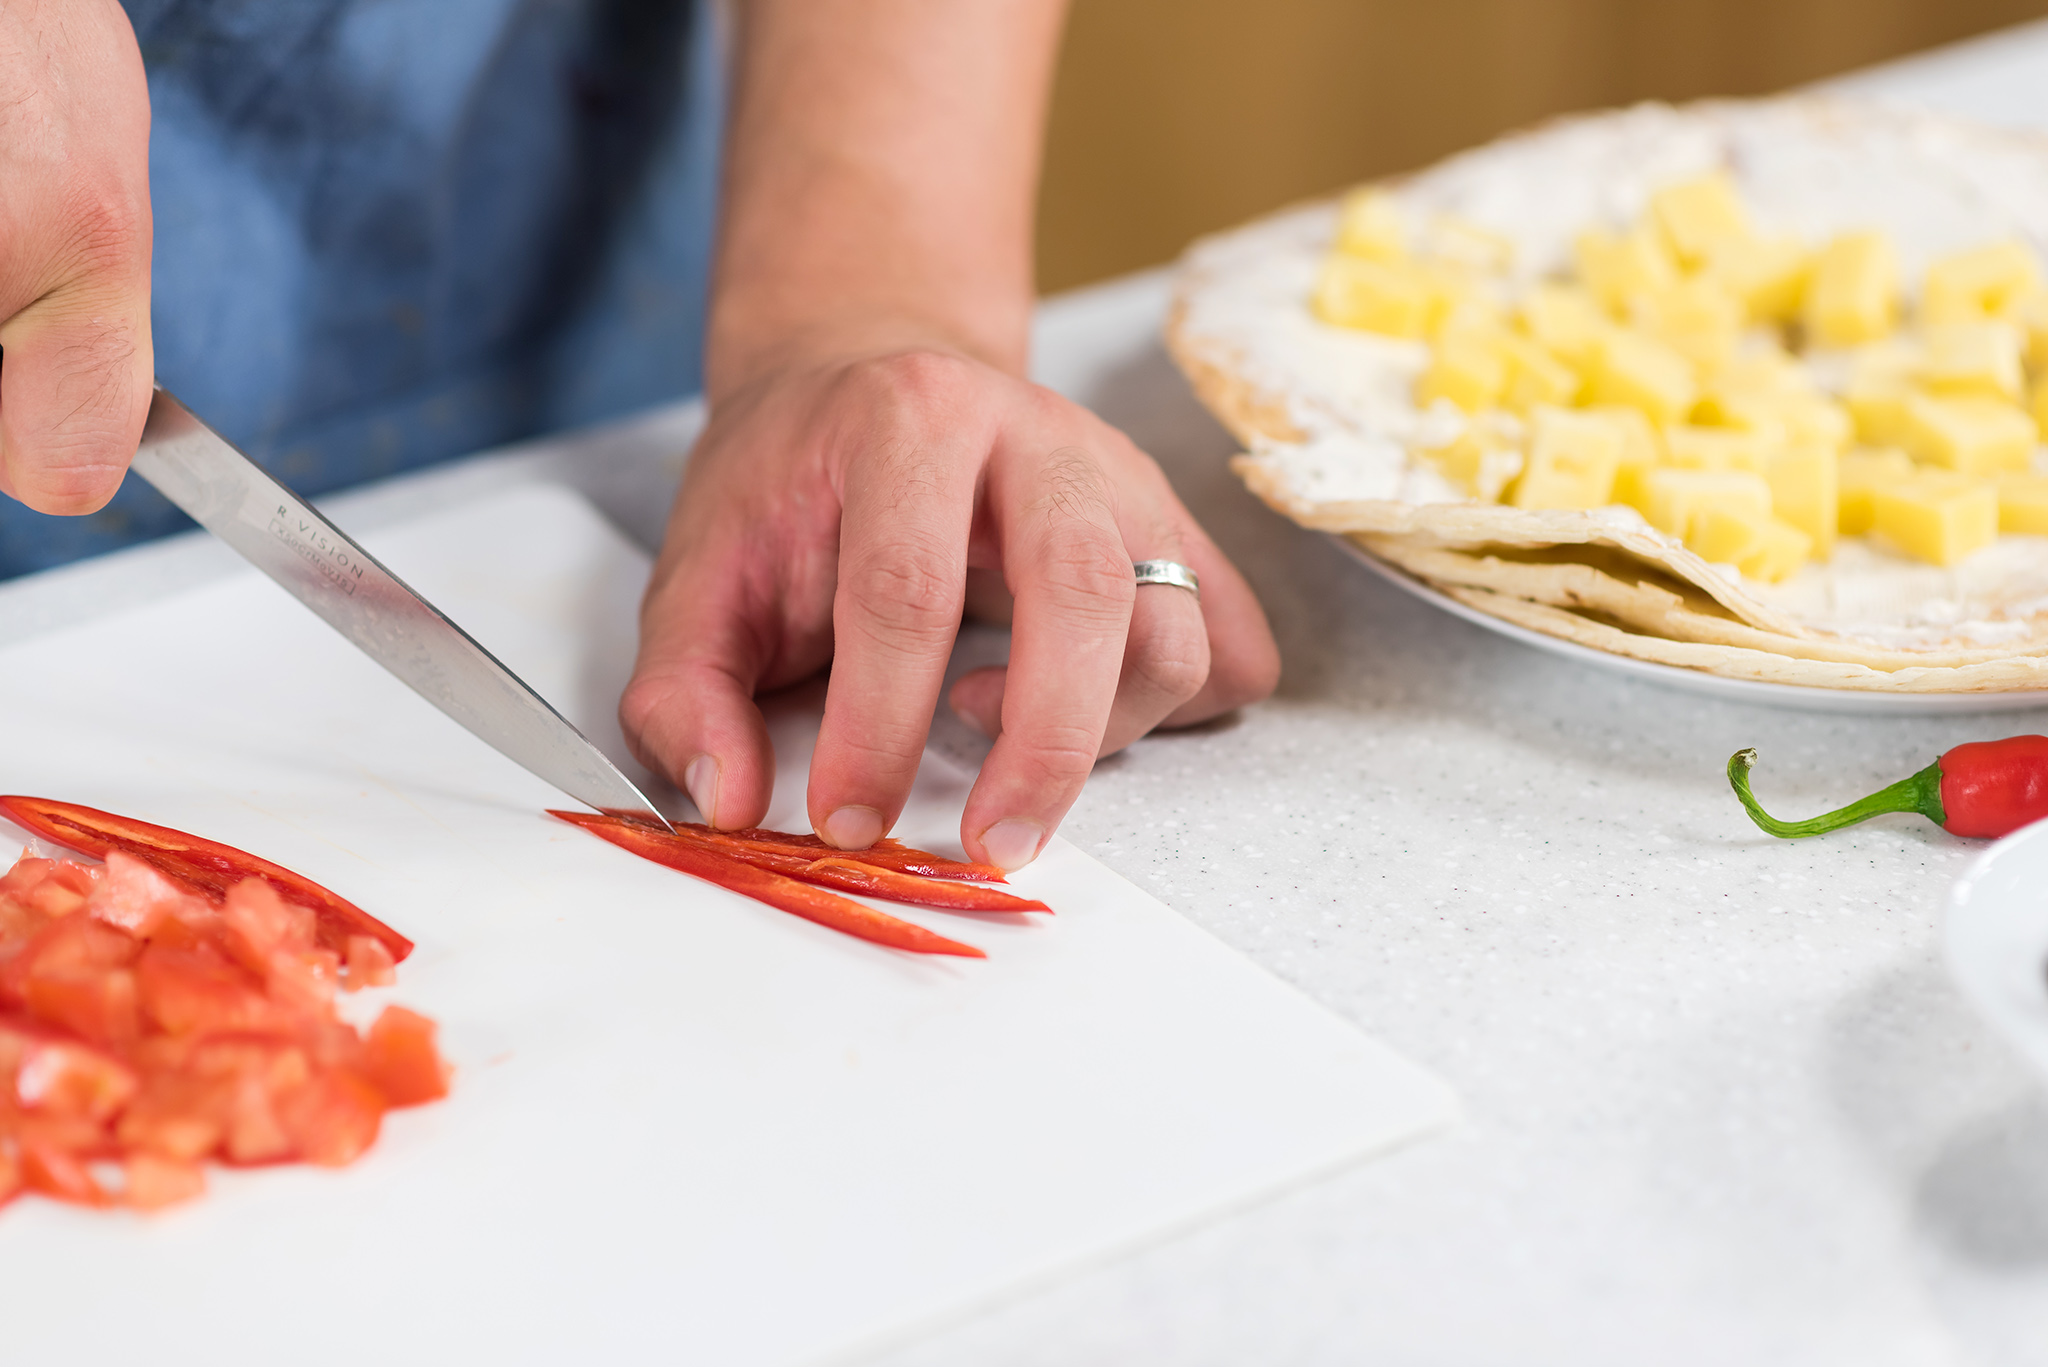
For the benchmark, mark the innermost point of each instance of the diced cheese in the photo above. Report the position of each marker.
(1617, 268)
(1672, 497)
(1971, 436)
(1973, 358)
(1534, 375)
(1694, 215)
(1464, 370)
(1695, 317)
(2030, 315)
(1480, 466)
(2038, 407)
(1640, 372)
(1641, 451)
(2023, 504)
(1805, 482)
(1465, 243)
(1392, 298)
(1878, 410)
(1854, 294)
(1983, 282)
(1713, 448)
(1779, 419)
(1370, 225)
(1768, 275)
(1723, 536)
(1780, 550)
(1572, 460)
(1936, 515)
(1858, 475)
(1564, 320)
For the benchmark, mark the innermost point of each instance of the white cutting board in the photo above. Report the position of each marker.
(685, 1127)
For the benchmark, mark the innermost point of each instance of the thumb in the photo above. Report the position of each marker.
(76, 368)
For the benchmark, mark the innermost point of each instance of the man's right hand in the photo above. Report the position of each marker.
(75, 358)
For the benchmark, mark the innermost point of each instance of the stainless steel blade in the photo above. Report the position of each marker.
(279, 533)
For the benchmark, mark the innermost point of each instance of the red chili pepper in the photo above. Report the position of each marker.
(883, 854)
(199, 865)
(842, 869)
(1986, 788)
(764, 885)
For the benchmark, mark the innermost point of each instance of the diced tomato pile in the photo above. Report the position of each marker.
(147, 1027)
(791, 872)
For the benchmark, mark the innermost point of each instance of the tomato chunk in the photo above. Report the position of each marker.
(151, 1022)
(400, 1060)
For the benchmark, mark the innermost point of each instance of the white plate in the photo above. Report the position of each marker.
(1997, 938)
(1698, 681)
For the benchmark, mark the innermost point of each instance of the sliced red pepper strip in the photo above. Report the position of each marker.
(199, 865)
(842, 870)
(783, 893)
(883, 854)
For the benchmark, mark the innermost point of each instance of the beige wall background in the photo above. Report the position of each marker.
(1175, 117)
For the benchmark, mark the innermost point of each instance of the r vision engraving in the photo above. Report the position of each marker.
(336, 563)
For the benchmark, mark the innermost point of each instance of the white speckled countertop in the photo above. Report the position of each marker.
(1724, 1104)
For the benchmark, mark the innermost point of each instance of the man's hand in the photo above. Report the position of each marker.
(75, 360)
(834, 510)
(874, 459)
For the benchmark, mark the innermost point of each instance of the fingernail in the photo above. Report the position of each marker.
(700, 780)
(853, 828)
(1013, 842)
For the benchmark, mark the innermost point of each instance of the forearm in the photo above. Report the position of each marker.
(881, 167)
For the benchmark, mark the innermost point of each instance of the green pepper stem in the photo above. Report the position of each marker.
(1921, 793)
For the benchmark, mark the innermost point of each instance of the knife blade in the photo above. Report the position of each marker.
(320, 565)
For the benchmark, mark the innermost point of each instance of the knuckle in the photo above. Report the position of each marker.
(1087, 581)
(1055, 754)
(109, 230)
(916, 384)
(910, 592)
(1173, 664)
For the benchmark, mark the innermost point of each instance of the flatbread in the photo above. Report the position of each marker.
(1329, 428)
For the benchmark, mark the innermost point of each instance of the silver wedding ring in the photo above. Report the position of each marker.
(1169, 572)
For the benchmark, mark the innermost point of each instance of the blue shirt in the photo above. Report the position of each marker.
(393, 231)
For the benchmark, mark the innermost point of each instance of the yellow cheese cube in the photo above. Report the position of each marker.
(1983, 282)
(1973, 358)
(1712, 448)
(1534, 375)
(1617, 268)
(1858, 475)
(1780, 550)
(1936, 515)
(1468, 315)
(1370, 225)
(1724, 536)
(1482, 467)
(1695, 317)
(1761, 369)
(1972, 436)
(1564, 320)
(1805, 482)
(1694, 215)
(1854, 294)
(1391, 298)
(1878, 410)
(1778, 419)
(2023, 504)
(1572, 460)
(1640, 372)
(2030, 316)
(1672, 497)
(1464, 243)
(1641, 451)
(1768, 275)
(1465, 371)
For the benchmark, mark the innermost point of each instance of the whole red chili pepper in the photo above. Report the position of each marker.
(1985, 788)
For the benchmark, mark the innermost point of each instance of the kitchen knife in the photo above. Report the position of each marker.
(279, 533)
